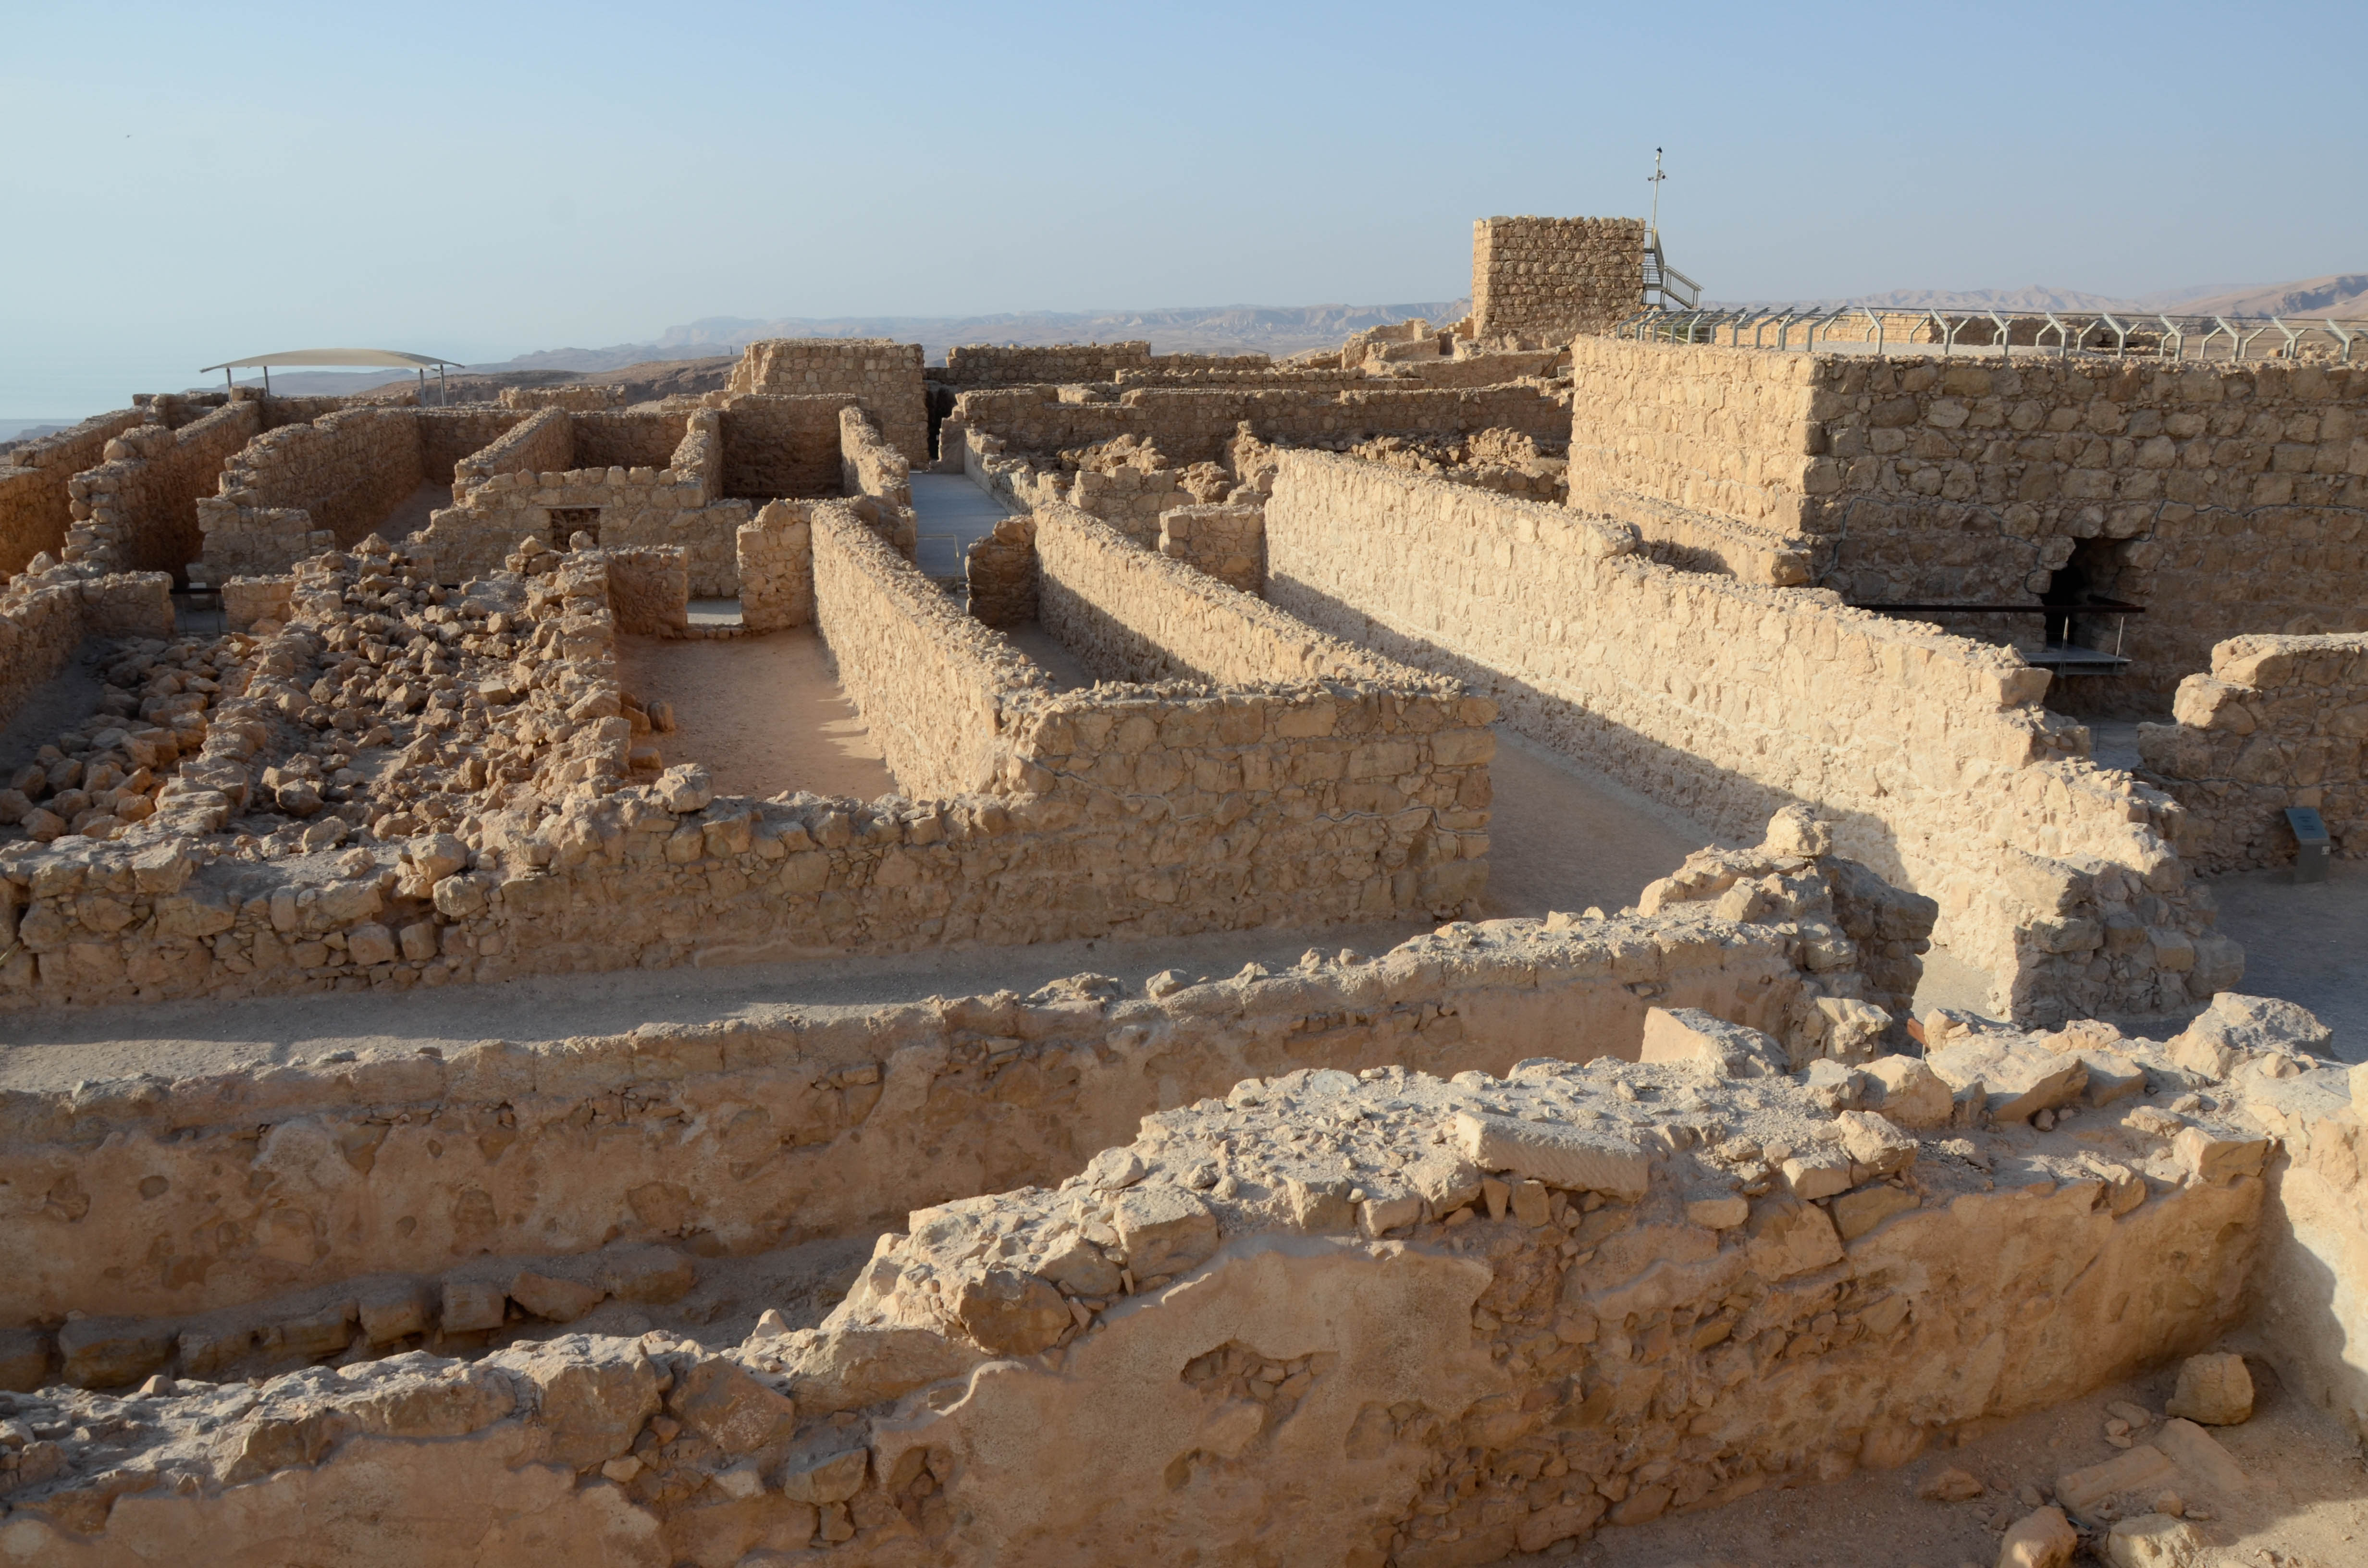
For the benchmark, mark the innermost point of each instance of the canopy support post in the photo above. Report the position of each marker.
(228, 390)
(267, 381)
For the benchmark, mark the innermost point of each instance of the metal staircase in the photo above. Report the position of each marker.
(1664, 287)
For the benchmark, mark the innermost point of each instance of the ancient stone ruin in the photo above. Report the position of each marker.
(1562, 1232)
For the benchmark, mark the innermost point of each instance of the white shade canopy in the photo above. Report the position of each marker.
(336, 356)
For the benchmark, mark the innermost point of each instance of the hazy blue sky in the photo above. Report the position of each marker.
(190, 183)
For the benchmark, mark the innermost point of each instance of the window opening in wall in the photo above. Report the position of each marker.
(567, 521)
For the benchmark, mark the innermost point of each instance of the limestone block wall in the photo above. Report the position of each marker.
(2279, 721)
(36, 496)
(869, 466)
(139, 509)
(347, 470)
(1931, 753)
(649, 589)
(1226, 541)
(331, 477)
(543, 442)
(1133, 614)
(999, 573)
(685, 514)
(673, 504)
(781, 446)
(776, 562)
(2226, 498)
(1193, 425)
(1545, 280)
(933, 684)
(448, 437)
(624, 439)
(1143, 812)
(882, 376)
(1257, 376)
(1013, 365)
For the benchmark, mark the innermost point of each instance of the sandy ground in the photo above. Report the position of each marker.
(2305, 1505)
(1564, 836)
(764, 714)
(410, 514)
(1048, 655)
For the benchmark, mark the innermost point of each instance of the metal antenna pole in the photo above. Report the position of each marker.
(1654, 225)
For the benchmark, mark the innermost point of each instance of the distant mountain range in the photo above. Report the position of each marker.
(2341, 294)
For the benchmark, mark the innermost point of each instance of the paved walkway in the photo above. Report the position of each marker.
(952, 513)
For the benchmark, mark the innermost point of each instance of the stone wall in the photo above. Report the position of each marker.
(2279, 721)
(932, 683)
(1142, 812)
(839, 1121)
(882, 376)
(2225, 498)
(1943, 772)
(1356, 1312)
(1132, 614)
(1540, 281)
(1017, 365)
(449, 437)
(543, 442)
(346, 470)
(504, 499)
(321, 478)
(36, 498)
(624, 438)
(1191, 425)
(649, 589)
(999, 573)
(576, 399)
(776, 561)
(1226, 541)
(869, 466)
(139, 509)
(782, 447)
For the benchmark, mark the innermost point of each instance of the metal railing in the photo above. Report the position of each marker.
(2175, 338)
